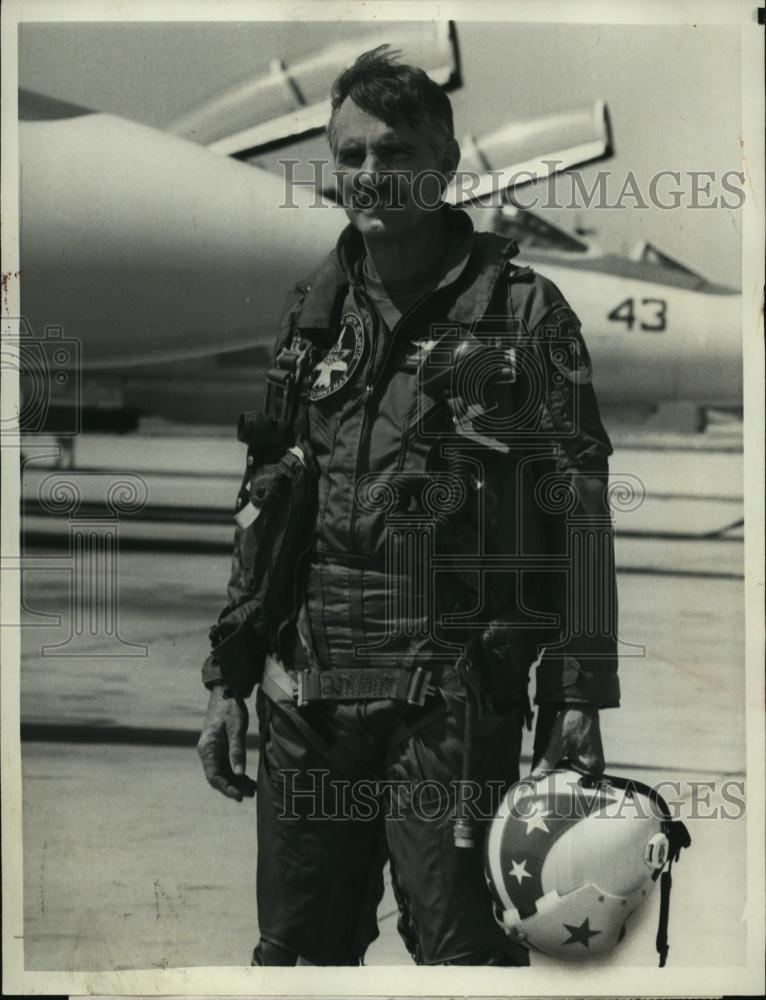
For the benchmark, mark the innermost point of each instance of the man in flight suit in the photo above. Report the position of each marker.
(407, 673)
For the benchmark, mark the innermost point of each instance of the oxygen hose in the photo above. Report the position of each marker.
(463, 833)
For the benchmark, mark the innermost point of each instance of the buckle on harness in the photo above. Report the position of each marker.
(371, 684)
(418, 688)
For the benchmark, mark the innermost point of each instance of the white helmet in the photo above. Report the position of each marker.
(569, 858)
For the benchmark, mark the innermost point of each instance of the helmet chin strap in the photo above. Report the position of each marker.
(666, 883)
(678, 838)
(676, 832)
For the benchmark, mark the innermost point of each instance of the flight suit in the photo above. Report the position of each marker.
(445, 512)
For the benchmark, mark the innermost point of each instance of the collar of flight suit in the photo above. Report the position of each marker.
(474, 269)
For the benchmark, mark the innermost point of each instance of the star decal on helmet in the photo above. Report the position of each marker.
(580, 935)
(519, 870)
(536, 821)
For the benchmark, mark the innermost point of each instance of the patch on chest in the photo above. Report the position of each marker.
(422, 348)
(341, 361)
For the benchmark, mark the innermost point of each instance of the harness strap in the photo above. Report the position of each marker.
(278, 687)
(285, 380)
(277, 683)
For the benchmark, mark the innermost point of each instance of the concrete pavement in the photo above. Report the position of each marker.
(130, 861)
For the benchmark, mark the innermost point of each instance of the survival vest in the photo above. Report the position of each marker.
(487, 396)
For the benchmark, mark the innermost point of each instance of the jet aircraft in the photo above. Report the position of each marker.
(166, 254)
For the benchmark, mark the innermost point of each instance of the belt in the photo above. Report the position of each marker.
(348, 560)
(372, 684)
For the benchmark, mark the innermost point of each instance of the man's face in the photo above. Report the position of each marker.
(386, 174)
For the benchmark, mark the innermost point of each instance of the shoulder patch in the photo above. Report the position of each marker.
(341, 361)
(568, 352)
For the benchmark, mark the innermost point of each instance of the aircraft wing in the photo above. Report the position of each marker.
(291, 100)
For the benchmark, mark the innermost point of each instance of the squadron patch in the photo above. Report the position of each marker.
(341, 361)
(567, 348)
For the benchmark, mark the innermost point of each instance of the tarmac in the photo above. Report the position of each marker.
(132, 862)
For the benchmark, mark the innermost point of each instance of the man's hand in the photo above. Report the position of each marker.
(221, 746)
(570, 731)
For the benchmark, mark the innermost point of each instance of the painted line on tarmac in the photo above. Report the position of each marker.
(167, 514)
(699, 574)
(216, 547)
(80, 732)
(62, 732)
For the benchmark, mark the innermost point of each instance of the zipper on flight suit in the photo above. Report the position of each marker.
(370, 389)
